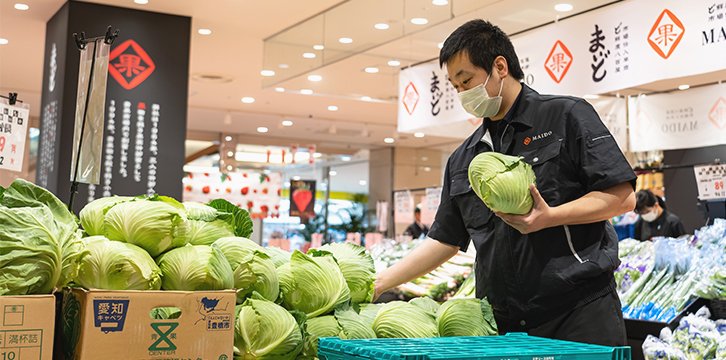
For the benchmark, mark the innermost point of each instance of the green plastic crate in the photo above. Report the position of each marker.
(508, 347)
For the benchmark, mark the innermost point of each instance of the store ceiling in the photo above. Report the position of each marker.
(234, 51)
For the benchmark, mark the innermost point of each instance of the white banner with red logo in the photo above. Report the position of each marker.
(614, 114)
(624, 45)
(678, 120)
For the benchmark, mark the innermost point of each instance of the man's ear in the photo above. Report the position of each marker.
(501, 66)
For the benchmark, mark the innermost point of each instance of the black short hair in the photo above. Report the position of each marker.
(417, 210)
(644, 199)
(483, 42)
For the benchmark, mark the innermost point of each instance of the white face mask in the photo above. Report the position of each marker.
(476, 101)
(651, 216)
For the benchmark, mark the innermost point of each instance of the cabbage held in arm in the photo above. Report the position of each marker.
(312, 284)
(40, 244)
(253, 269)
(115, 265)
(265, 330)
(502, 182)
(358, 269)
(195, 268)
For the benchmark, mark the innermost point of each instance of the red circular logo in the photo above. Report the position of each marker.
(527, 140)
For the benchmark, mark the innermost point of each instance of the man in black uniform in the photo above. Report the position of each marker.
(418, 228)
(549, 272)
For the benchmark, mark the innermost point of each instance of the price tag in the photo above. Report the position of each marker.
(13, 134)
(711, 180)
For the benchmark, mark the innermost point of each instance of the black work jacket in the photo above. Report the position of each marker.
(531, 279)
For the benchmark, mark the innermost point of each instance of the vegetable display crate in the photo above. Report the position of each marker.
(510, 347)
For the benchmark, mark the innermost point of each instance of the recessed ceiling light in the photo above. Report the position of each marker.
(21, 6)
(317, 155)
(306, 91)
(389, 140)
(419, 135)
(440, 45)
(283, 66)
(230, 153)
(315, 78)
(4, 41)
(563, 7)
(382, 26)
(371, 70)
(296, 178)
(363, 183)
(262, 130)
(366, 98)
(345, 40)
(394, 63)
(280, 89)
(332, 108)
(318, 47)
(591, 96)
(287, 123)
(440, 2)
(204, 32)
(227, 138)
(333, 173)
(427, 169)
(267, 73)
(684, 87)
(248, 99)
(141, 2)
(419, 21)
(346, 158)
(309, 55)
(230, 168)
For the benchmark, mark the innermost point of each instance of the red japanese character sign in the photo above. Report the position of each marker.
(558, 62)
(666, 33)
(717, 115)
(410, 98)
(130, 65)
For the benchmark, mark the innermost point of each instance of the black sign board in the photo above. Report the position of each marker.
(302, 198)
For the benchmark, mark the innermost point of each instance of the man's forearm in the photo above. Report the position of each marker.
(421, 261)
(596, 206)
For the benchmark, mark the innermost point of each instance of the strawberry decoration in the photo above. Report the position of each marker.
(245, 190)
(254, 191)
(279, 192)
(265, 209)
(189, 188)
(229, 190)
(250, 205)
(265, 191)
(206, 189)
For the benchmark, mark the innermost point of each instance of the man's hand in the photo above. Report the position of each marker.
(540, 217)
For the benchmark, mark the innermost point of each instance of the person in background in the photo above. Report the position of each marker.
(417, 229)
(655, 220)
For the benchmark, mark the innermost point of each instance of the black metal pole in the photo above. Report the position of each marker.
(74, 184)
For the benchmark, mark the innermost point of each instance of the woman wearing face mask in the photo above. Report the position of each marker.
(655, 220)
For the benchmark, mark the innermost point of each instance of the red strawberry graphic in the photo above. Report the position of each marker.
(279, 192)
(244, 175)
(229, 190)
(189, 188)
(277, 207)
(245, 190)
(265, 209)
(206, 189)
(250, 205)
(206, 174)
(265, 191)
(302, 198)
(254, 191)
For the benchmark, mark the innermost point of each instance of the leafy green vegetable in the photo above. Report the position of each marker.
(466, 317)
(206, 224)
(40, 244)
(253, 269)
(313, 284)
(165, 313)
(279, 257)
(242, 220)
(425, 303)
(358, 269)
(368, 313)
(114, 265)
(502, 182)
(400, 319)
(265, 330)
(94, 213)
(194, 268)
(156, 225)
(345, 324)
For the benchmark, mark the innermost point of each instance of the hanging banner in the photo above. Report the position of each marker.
(624, 45)
(257, 192)
(302, 198)
(711, 180)
(382, 215)
(430, 204)
(403, 207)
(678, 120)
(13, 134)
(613, 113)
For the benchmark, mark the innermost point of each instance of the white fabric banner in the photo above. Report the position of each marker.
(625, 45)
(678, 120)
(613, 113)
(403, 207)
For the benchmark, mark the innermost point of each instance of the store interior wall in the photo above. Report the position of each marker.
(680, 184)
(380, 182)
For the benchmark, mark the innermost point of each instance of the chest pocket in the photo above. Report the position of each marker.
(546, 165)
(475, 214)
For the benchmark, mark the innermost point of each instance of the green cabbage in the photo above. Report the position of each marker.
(265, 330)
(466, 317)
(279, 257)
(368, 313)
(400, 319)
(93, 214)
(358, 269)
(194, 268)
(313, 285)
(253, 269)
(114, 265)
(156, 224)
(206, 224)
(502, 182)
(40, 244)
(344, 324)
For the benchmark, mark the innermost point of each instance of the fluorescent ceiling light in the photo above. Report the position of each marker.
(141, 2)
(366, 98)
(332, 108)
(419, 135)
(248, 99)
(280, 89)
(306, 91)
(309, 55)
(262, 130)
(389, 140)
(204, 32)
(440, 2)
(318, 47)
(345, 40)
(315, 78)
(371, 70)
(4, 41)
(267, 73)
(419, 21)
(381, 26)
(563, 7)
(394, 63)
(287, 123)
(21, 6)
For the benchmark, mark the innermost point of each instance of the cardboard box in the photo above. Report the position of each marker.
(100, 324)
(26, 327)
